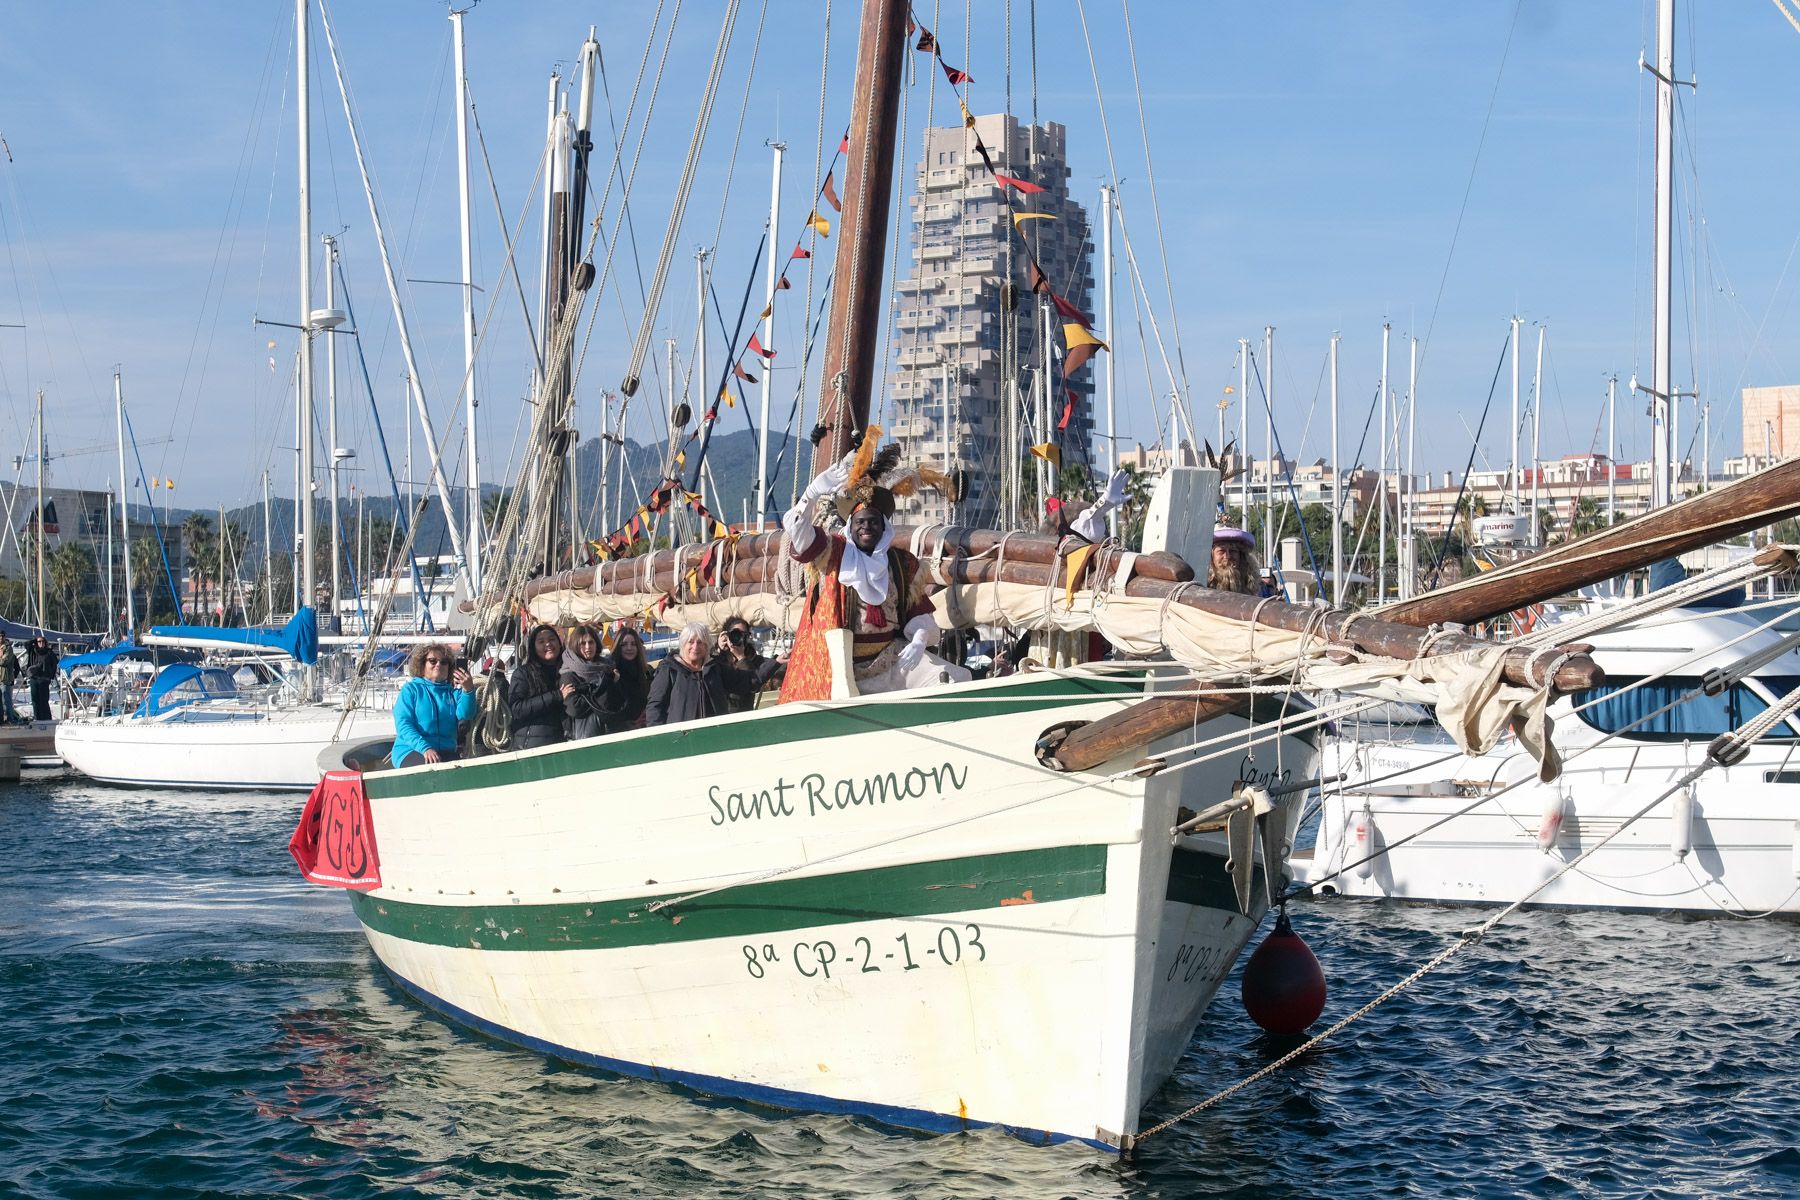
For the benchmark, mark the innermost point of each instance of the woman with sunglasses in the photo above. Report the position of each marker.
(439, 697)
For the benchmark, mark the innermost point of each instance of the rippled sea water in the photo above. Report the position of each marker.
(181, 1016)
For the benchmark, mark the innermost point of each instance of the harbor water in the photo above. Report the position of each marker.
(181, 1016)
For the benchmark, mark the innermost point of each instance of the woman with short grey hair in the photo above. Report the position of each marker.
(688, 686)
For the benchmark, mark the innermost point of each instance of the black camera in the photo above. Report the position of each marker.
(735, 636)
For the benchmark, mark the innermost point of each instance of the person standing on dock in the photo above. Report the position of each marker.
(9, 675)
(40, 668)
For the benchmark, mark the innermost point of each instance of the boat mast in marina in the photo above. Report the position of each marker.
(304, 571)
(475, 535)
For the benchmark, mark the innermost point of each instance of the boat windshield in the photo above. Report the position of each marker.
(1613, 709)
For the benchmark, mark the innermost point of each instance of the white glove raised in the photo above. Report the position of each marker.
(913, 653)
(830, 480)
(1115, 488)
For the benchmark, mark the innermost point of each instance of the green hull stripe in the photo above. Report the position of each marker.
(751, 910)
(1200, 879)
(781, 727)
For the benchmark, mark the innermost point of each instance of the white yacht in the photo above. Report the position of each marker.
(1415, 820)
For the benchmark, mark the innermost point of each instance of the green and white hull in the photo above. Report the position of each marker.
(882, 906)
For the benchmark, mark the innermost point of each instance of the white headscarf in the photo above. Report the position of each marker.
(867, 573)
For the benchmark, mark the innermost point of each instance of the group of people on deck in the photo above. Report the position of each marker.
(865, 613)
(557, 693)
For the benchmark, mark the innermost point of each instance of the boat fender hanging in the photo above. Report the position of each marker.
(1681, 823)
(1550, 826)
(1362, 841)
(1283, 984)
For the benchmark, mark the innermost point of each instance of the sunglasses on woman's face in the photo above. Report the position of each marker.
(432, 660)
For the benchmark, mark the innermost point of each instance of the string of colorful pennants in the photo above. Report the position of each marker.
(1079, 340)
(1080, 343)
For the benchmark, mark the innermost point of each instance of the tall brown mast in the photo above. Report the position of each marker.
(852, 336)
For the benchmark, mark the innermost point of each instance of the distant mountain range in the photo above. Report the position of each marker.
(731, 459)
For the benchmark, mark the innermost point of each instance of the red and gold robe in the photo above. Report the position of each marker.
(831, 605)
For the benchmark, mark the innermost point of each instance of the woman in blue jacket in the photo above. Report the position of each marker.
(438, 698)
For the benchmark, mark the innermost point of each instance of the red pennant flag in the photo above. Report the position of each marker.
(910, 26)
(801, 252)
(756, 347)
(957, 78)
(738, 370)
(927, 42)
(1068, 408)
(1036, 277)
(1070, 311)
(844, 145)
(831, 196)
(782, 284)
(1023, 185)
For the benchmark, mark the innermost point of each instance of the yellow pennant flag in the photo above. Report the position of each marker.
(819, 223)
(1082, 345)
(1077, 562)
(764, 315)
(1050, 452)
(968, 117)
(1018, 217)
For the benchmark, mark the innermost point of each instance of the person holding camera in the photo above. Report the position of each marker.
(753, 672)
(439, 697)
(590, 673)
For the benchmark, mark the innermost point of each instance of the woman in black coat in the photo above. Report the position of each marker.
(630, 691)
(590, 672)
(688, 686)
(536, 693)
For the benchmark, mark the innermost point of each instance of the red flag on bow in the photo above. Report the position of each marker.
(334, 844)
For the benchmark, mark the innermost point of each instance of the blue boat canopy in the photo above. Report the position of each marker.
(24, 633)
(102, 658)
(299, 638)
(185, 683)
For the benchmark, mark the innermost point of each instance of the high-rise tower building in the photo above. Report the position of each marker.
(969, 390)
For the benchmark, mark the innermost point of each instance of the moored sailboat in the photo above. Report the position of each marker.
(1004, 902)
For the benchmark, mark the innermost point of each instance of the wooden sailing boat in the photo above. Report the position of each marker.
(950, 907)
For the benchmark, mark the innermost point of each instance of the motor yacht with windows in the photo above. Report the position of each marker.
(1413, 819)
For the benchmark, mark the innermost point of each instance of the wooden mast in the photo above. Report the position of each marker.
(851, 340)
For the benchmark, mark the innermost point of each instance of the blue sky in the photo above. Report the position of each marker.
(1312, 162)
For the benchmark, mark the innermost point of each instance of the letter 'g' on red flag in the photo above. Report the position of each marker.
(334, 844)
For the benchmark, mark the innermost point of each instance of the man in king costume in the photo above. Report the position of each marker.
(865, 608)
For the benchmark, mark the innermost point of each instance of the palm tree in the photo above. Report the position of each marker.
(201, 552)
(146, 568)
(68, 568)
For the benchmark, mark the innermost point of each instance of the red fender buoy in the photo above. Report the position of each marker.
(1284, 986)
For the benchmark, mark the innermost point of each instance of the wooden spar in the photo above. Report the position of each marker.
(856, 293)
(1080, 747)
(1749, 503)
(663, 568)
(1369, 634)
